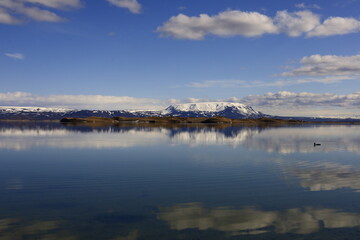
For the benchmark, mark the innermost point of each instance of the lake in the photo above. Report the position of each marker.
(188, 182)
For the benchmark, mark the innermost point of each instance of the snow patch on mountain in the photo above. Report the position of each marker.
(34, 109)
(210, 107)
(204, 109)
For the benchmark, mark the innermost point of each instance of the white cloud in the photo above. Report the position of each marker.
(327, 65)
(15, 11)
(335, 26)
(287, 82)
(217, 83)
(18, 56)
(305, 6)
(256, 84)
(224, 24)
(286, 103)
(295, 24)
(281, 103)
(285, 99)
(253, 24)
(133, 5)
(89, 101)
(79, 101)
(58, 4)
(40, 15)
(325, 69)
(7, 18)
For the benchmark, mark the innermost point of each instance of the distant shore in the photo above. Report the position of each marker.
(150, 121)
(189, 120)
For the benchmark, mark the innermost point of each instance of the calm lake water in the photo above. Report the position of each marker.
(185, 182)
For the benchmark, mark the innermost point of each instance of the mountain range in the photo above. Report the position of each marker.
(208, 109)
(204, 109)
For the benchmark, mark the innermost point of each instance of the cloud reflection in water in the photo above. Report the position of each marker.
(255, 221)
(282, 140)
(16, 229)
(325, 176)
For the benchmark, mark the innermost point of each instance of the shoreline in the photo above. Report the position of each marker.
(189, 120)
(151, 121)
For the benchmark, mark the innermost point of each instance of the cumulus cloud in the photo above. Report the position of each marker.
(18, 56)
(254, 24)
(287, 99)
(326, 69)
(327, 65)
(224, 24)
(295, 24)
(335, 26)
(16, 11)
(133, 5)
(285, 103)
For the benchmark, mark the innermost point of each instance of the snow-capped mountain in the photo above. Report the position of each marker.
(207, 109)
(211, 109)
(32, 113)
(33, 109)
(41, 113)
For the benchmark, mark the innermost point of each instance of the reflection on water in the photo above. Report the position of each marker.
(15, 229)
(326, 176)
(299, 140)
(178, 182)
(254, 221)
(114, 137)
(283, 140)
(22, 139)
(131, 236)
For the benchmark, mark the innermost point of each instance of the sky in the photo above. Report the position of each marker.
(280, 57)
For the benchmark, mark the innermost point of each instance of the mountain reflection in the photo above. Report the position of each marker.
(282, 140)
(255, 221)
(24, 137)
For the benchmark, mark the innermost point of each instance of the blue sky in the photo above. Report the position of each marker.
(281, 57)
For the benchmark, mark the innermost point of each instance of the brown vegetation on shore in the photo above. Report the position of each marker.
(177, 120)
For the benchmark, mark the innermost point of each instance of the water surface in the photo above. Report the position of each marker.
(180, 182)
